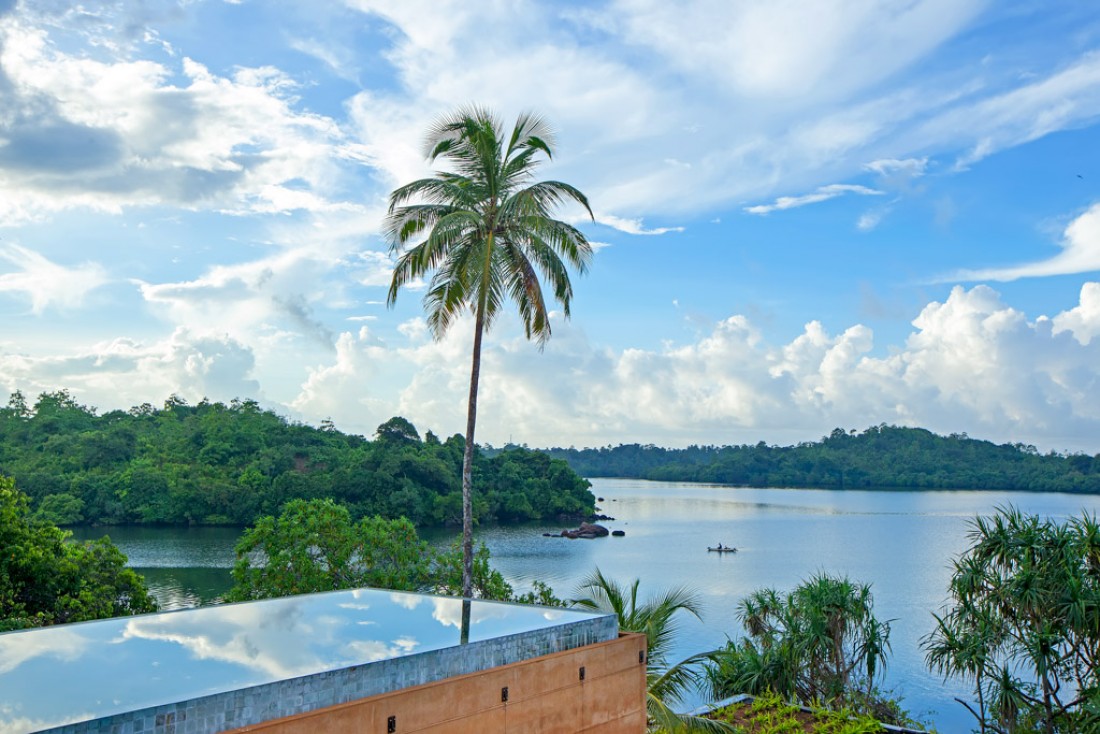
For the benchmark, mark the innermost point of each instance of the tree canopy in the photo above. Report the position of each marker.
(314, 545)
(45, 578)
(213, 463)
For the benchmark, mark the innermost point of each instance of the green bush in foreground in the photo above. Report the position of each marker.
(45, 578)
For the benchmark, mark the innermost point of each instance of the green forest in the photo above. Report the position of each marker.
(212, 463)
(880, 457)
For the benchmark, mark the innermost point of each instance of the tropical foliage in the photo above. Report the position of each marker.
(658, 619)
(45, 578)
(770, 714)
(487, 235)
(213, 463)
(1023, 625)
(314, 546)
(881, 456)
(819, 645)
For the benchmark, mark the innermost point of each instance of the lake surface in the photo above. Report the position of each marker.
(900, 542)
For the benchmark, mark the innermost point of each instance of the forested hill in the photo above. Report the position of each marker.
(213, 463)
(881, 456)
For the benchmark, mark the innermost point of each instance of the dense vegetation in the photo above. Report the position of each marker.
(881, 456)
(213, 463)
(47, 579)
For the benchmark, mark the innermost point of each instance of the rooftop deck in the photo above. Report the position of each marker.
(238, 664)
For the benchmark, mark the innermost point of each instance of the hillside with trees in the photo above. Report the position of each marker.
(879, 457)
(213, 463)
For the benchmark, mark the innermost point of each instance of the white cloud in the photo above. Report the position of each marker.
(971, 363)
(1080, 254)
(45, 282)
(769, 50)
(892, 167)
(823, 193)
(1083, 320)
(1064, 100)
(123, 372)
(870, 220)
(632, 226)
(107, 134)
(253, 301)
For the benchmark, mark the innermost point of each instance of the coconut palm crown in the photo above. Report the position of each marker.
(486, 233)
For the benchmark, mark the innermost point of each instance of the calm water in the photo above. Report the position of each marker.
(900, 542)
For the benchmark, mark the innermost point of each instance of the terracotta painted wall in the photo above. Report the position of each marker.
(546, 695)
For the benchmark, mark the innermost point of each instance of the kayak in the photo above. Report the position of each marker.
(723, 550)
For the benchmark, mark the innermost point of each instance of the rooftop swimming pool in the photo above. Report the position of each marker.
(237, 664)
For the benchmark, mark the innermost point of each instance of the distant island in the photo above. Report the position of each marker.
(879, 457)
(218, 464)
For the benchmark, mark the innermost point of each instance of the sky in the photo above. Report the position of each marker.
(809, 214)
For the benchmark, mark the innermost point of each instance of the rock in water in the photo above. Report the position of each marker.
(586, 530)
(618, 533)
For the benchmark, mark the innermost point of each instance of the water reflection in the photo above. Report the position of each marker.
(15, 649)
(133, 663)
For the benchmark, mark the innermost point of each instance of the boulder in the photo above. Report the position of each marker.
(618, 533)
(586, 530)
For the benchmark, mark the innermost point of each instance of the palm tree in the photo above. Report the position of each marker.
(488, 234)
(657, 620)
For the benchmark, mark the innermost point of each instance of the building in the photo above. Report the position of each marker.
(360, 661)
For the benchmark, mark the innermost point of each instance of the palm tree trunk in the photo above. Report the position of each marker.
(468, 461)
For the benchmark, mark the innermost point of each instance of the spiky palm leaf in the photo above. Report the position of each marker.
(657, 619)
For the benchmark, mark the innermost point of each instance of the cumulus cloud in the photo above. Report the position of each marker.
(1080, 254)
(1083, 320)
(107, 133)
(124, 372)
(267, 298)
(46, 283)
(823, 193)
(972, 363)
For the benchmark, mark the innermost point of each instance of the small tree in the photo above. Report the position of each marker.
(314, 545)
(1023, 624)
(820, 645)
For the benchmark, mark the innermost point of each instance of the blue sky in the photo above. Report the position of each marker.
(809, 214)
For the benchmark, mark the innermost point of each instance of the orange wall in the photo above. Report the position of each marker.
(545, 695)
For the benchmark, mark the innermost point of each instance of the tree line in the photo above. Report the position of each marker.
(880, 457)
(213, 463)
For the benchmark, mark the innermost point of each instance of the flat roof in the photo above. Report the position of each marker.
(79, 672)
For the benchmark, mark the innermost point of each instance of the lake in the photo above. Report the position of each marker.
(901, 542)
